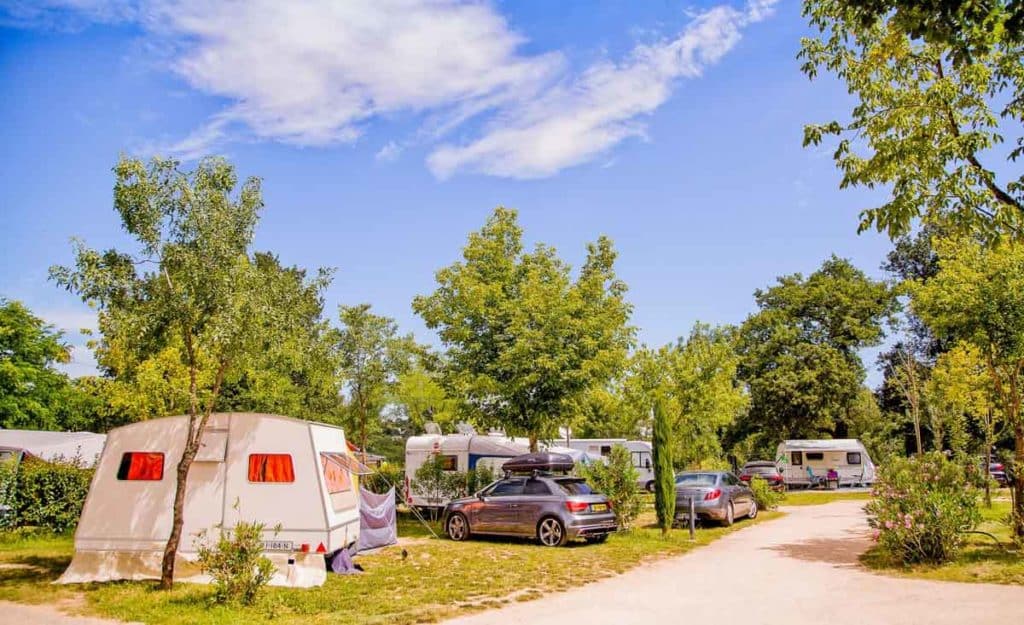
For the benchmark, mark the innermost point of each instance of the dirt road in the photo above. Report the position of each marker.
(799, 570)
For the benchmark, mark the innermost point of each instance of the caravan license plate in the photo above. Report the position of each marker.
(278, 545)
(599, 507)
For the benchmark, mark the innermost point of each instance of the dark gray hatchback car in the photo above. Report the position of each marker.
(553, 509)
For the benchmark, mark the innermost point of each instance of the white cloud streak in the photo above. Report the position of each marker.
(317, 72)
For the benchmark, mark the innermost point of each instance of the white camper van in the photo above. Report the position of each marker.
(462, 451)
(642, 452)
(801, 462)
(295, 477)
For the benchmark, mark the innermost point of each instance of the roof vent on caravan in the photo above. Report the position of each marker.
(432, 428)
(465, 429)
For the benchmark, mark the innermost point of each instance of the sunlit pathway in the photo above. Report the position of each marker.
(800, 569)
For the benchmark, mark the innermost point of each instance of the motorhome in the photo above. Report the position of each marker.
(807, 462)
(641, 451)
(295, 477)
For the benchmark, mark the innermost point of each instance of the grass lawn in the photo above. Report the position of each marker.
(816, 497)
(980, 561)
(437, 580)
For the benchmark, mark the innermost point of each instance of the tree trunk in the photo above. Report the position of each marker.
(988, 460)
(181, 483)
(533, 442)
(917, 428)
(1018, 480)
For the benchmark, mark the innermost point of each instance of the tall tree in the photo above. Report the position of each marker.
(524, 339)
(978, 298)
(932, 129)
(190, 292)
(664, 469)
(32, 390)
(373, 356)
(420, 398)
(800, 350)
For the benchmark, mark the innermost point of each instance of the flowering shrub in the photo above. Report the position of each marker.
(921, 508)
(766, 497)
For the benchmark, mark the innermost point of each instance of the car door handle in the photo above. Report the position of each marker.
(513, 505)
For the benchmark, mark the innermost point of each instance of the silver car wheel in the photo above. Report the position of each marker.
(550, 532)
(457, 529)
(753, 510)
(730, 514)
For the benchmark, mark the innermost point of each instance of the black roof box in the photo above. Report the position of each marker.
(539, 461)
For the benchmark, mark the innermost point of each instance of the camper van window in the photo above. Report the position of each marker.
(145, 466)
(449, 463)
(335, 473)
(815, 455)
(606, 450)
(271, 468)
(796, 458)
(853, 457)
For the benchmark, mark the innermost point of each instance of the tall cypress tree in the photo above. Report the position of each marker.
(664, 473)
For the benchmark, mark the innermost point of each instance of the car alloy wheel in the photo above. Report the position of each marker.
(457, 527)
(753, 510)
(550, 532)
(730, 515)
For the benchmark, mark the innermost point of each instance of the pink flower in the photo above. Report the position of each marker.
(888, 525)
(908, 523)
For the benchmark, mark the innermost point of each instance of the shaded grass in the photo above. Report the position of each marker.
(981, 560)
(438, 579)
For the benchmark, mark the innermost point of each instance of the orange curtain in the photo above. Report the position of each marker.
(148, 466)
(271, 468)
(335, 474)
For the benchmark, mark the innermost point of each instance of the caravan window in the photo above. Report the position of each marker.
(147, 466)
(271, 468)
(449, 463)
(815, 455)
(796, 458)
(336, 468)
(853, 457)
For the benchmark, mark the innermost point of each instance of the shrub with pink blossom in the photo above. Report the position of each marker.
(921, 508)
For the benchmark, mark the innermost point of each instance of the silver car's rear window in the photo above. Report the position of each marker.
(697, 479)
(575, 487)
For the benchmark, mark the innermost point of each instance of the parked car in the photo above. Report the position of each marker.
(765, 470)
(998, 473)
(717, 495)
(553, 509)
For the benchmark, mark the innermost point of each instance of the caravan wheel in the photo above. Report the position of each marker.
(457, 527)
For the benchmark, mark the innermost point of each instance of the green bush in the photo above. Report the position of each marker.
(236, 563)
(50, 494)
(8, 488)
(384, 477)
(436, 485)
(766, 498)
(616, 479)
(921, 508)
(478, 478)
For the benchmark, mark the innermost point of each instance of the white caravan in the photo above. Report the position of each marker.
(802, 462)
(82, 447)
(642, 452)
(295, 477)
(464, 451)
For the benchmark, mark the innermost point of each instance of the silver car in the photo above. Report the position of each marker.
(553, 509)
(717, 495)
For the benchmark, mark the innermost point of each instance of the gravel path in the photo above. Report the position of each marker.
(799, 570)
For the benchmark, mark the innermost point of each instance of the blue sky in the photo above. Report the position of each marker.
(385, 131)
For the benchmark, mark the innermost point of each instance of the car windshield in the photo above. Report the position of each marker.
(575, 487)
(697, 479)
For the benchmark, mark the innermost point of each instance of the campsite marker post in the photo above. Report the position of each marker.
(693, 522)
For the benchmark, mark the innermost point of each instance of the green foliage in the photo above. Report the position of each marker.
(978, 298)
(766, 497)
(384, 477)
(32, 391)
(49, 495)
(372, 357)
(420, 398)
(524, 341)
(924, 119)
(236, 563)
(664, 471)
(800, 351)
(478, 478)
(435, 484)
(616, 478)
(921, 508)
(8, 493)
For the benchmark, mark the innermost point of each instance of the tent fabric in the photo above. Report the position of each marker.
(378, 526)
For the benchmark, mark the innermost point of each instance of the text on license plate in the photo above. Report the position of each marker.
(278, 545)
(599, 507)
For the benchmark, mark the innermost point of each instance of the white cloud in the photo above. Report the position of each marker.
(316, 72)
(390, 152)
(573, 123)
